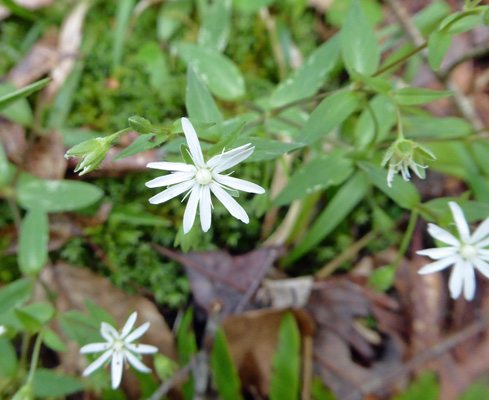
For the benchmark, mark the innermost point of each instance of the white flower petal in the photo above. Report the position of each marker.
(97, 363)
(95, 347)
(460, 221)
(171, 192)
(456, 280)
(239, 184)
(232, 161)
(469, 282)
(482, 266)
(223, 157)
(171, 166)
(170, 179)
(205, 208)
(439, 265)
(134, 361)
(232, 206)
(128, 325)
(438, 252)
(193, 143)
(137, 333)
(108, 332)
(481, 232)
(390, 175)
(482, 244)
(142, 348)
(116, 369)
(442, 235)
(191, 209)
(483, 252)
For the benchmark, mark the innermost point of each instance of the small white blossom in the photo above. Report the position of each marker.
(120, 349)
(466, 253)
(200, 179)
(2, 330)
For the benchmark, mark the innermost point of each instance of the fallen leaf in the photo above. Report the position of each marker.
(46, 158)
(13, 139)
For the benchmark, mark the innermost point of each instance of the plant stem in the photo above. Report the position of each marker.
(117, 135)
(35, 356)
(407, 237)
(400, 60)
(400, 131)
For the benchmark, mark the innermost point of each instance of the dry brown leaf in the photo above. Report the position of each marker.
(73, 284)
(13, 139)
(252, 338)
(46, 158)
(216, 276)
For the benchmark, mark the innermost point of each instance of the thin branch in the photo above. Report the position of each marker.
(166, 386)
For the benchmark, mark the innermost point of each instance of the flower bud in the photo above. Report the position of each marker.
(92, 152)
(405, 154)
(140, 124)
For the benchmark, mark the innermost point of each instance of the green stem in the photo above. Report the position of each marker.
(400, 131)
(400, 60)
(407, 237)
(117, 135)
(35, 357)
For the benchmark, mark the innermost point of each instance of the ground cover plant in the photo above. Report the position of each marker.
(244, 199)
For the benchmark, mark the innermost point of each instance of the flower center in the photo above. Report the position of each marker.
(468, 251)
(203, 176)
(118, 345)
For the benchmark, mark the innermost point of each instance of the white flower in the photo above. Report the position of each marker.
(120, 348)
(467, 253)
(200, 179)
(2, 330)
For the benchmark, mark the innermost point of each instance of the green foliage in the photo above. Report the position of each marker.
(18, 111)
(285, 382)
(33, 242)
(48, 383)
(425, 387)
(10, 98)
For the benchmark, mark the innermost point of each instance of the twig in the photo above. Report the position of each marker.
(476, 52)
(435, 352)
(166, 386)
(461, 101)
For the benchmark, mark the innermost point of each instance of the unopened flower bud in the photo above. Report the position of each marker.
(405, 154)
(92, 152)
(140, 124)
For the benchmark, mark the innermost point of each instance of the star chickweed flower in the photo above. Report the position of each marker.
(405, 154)
(467, 253)
(120, 349)
(200, 179)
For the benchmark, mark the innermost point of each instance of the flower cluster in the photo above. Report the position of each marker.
(119, 349)
(200, 179)
(466, 253)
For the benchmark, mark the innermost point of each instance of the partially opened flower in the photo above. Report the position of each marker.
(404, 155)
(466, 253)
(119, 349)
(201, 178)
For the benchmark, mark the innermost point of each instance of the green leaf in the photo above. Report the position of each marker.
(201, 106)
(18, 10)
(223, 369)
(29, 323)
(9, 364)
(18, 111)
(124, 10)
(187, 346)
(367, 128)
(57, 196)
(425, 387)
(171, 16)
(48, 383)
(98, 313)
(476, 391)
(310, 77)
(330, 113)
(80, 328)
(337, 209)
(337, 13)
(375, 83)
(226, 143)
(435, 127)
(359, 46)
(41, 311)
(319, 391)
(53, 341)
(403, 193)
(318, 174)
(438, 44)
(216, 25)
(285, 382)
(252, 6)
(413, 96)
(465, 23)
(218, 72)
(142, 143)
(155, 62)
(33, 242)
(9, 98)
(382, 279)
(15, 294)
(4, 169)
(266, 149)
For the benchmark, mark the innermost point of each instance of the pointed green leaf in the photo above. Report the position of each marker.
(53, 341)
(29, 323)
(438, 44)
(218, 72)
(285, 383)
(216, 25)
(266, 149)
(9, 364)
(367, 128)
(124, 10)
(337, 209)
(33, 242)
(57, 196)
(223, 369)
(15, 294)
(309, 78)
(330, 113)
(359, 46)
(171, 17)
(413, 96)
(142, 143)
(48, 383)
(318, 174)
(18, 111)
(9, 98)
(4, 174)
